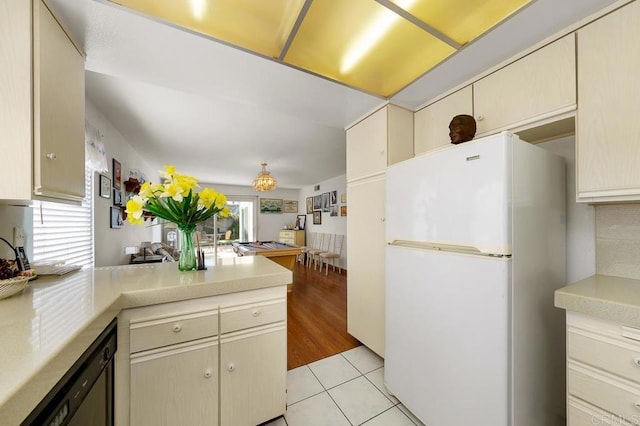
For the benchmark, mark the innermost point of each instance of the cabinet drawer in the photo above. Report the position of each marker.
(580, 413)
(287, 234)
(606, 354)
(251, 315)
(287, 240)
(618, 397)
(157, 332)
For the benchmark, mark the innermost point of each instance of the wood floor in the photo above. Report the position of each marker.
(317, 316)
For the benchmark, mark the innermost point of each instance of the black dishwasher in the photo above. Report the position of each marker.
(84, 395)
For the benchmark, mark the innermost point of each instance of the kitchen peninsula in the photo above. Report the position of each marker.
(47, 327)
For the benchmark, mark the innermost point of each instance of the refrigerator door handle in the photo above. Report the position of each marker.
(434, 246)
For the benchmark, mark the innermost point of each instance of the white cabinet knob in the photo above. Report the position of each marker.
(637, 405)
(480, 118)
(231, 367)
(255, 313)
(636, 361)
(207, 373)
(382, 219)
(51, 156)
(177, 328)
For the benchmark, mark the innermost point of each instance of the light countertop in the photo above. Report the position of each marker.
(46, 328)
(612, 298)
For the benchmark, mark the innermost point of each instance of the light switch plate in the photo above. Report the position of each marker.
(18, 236)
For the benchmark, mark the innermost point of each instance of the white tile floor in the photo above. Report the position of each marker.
(344, 389)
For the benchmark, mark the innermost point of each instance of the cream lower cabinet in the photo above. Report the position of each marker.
(176, 385)
(431, 123)
(603, 372)
(209, 361)
(379, 140)
(366, 248)
(608, 129)
(292, 236)
(252, 381)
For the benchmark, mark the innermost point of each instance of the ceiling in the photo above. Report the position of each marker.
(217, 112)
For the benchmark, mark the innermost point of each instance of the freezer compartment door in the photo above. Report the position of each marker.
(447, 335)
(455, 196)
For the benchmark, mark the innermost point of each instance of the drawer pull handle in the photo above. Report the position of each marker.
(231, 367)
(255, 313)
(177, 328)
(207, 373)
(51, 156)
(637, 404)
(636, 361)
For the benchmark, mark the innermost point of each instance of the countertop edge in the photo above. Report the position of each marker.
(607, 297)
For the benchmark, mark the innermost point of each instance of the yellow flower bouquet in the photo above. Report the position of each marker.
(175, 200)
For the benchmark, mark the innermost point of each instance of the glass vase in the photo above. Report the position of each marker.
(187, 260)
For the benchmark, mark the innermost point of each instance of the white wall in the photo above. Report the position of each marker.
(109, 243)
(330, 224)
(268, 225)
(10, 217)
(581, 237)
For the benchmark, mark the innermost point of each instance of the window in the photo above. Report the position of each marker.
(64, 232)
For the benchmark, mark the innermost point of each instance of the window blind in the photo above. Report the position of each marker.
(64, 232)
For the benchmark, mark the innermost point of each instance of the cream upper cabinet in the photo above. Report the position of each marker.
(41, 105)
(608, 125)
(537, 86)
(431, 123)
(385, 137)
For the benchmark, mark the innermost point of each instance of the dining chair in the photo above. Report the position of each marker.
(316, 248)
(324, 248)
(333, 255)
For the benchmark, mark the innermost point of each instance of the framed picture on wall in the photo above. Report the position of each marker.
(301, 221)
(115, 218)
(317, 202)
(343, 198)
(317, 218)
(309, 205)
(334, 211)
(334, 198)
(117, 174)
(325, 202)
(343, 210)
(105, 187)
(270, 205)
(117, 197)
(290, 206)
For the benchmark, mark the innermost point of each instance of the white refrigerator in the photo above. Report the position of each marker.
(475, 249)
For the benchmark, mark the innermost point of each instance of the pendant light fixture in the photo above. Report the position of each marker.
(264, 181)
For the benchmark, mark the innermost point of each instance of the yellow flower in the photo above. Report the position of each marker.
(169, 171)
(187, 183)
(221, 201)
(173, 190)
(135, 209)
(225, 212)
(207, 197)
(149, 190)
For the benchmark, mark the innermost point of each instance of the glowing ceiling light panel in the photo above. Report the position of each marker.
(371, 36)
(198, 8)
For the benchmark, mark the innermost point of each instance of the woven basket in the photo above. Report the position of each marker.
(12, 286)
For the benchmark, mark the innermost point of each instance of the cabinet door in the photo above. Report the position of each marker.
(58, 110)
(177, 385)
(367, 146)
(537, 86)
(608, 136)
(253, 375)
(365, 245)
(432, 122)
